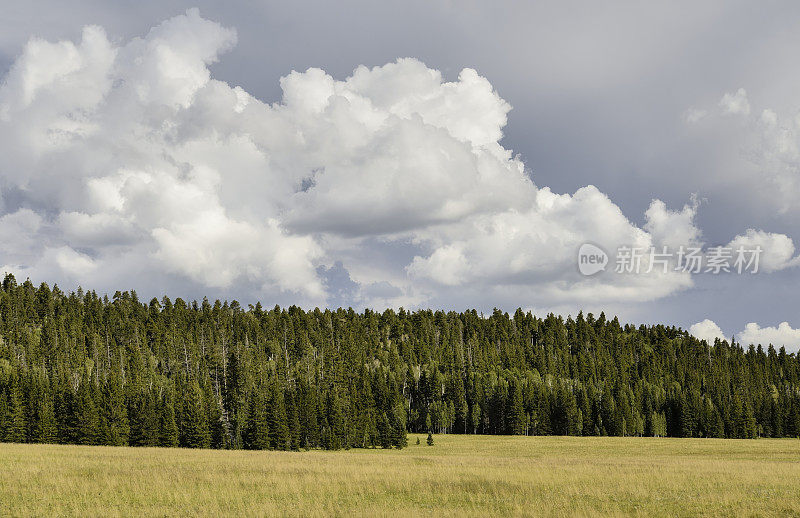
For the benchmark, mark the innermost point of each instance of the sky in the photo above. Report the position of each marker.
(432, 154)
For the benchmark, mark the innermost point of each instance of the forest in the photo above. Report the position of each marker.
(84, 369)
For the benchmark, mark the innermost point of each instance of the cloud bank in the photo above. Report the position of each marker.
(781, 336)
(768, 141)
(129, 161)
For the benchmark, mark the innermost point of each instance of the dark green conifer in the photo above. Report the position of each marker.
(194, 423)
(168, 428)
(256, 434)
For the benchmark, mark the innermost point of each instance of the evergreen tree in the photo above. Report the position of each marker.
(85, 368)
(168, 428)
(143, 419)
(256, 435)
(45, 427)
(516, 412)
(687, 416)
(87, 416)
(194, 422)
(114, 419)
(278, 426)
(384, 431)
(12, 417)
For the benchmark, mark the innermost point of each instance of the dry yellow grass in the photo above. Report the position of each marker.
(460, 475)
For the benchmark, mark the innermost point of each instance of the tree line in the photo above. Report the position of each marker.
(84, 369)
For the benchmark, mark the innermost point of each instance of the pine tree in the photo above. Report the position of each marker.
(143, 418)
(168, 428)
(278, 425)
(688, 417)
(45, 428)
(114, 418)
(293, 420)
(309, 423)
(87, 416)
(384, 431)
(256, 435)
(13, 419)
(64, 408)
(194, 423)
(516, 413)
(216, 423)
(336, 432)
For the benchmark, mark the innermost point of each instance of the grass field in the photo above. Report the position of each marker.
(459, 475)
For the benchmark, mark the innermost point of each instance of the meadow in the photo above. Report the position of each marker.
(458, 475)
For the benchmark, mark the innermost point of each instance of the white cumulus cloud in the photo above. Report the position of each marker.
(673, 228)
(777, 249)
(125, 161)
(781, 336)
(707, 330)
